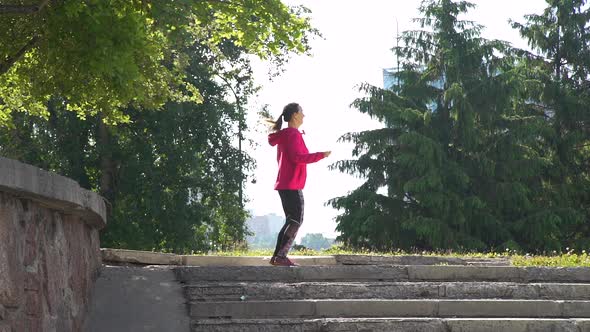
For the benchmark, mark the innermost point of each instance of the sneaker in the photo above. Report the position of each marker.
(282, 261)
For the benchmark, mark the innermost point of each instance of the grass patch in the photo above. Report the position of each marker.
(568, 259)
(339, 250)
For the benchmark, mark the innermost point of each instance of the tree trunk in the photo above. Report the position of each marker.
(108, 166)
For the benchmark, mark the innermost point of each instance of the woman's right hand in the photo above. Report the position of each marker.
(327, 154)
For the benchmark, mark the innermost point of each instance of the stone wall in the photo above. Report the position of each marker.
(49, 249)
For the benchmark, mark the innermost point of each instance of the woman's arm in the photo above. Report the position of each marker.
(296, 152)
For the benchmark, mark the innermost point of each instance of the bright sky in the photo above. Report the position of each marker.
(358, 36)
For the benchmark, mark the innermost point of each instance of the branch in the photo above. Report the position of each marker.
(30, 9)
(5, 66)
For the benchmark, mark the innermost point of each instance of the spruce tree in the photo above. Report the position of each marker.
(560, 70)
(459, 156)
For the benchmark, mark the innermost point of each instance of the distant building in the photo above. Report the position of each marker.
(264, 230)
(258, 225)
(390, 80)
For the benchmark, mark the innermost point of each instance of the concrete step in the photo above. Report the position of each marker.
(394, 324)
(235, 291)
(191, 274)
(419, 260)
(391, 308)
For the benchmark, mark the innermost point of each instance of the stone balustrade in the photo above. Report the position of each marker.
(49, 249)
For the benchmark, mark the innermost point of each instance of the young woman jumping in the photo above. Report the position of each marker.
(293, 157)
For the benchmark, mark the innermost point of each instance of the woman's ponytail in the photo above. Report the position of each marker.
(274, 125)
(288, 111)
(278, 124)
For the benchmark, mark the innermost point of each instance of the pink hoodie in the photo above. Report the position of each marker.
(293, 157)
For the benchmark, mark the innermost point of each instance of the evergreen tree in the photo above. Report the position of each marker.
(459, 158)
(560, 71)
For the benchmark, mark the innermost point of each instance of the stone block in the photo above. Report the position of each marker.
(34, 324)
(418, 260)
(500, 290)
(583, 325)
(193, 260)
(557, 274)
(12, 242)
(31, 243)
(465, 273)
(390, 324)
(252, 309)
(289, 274)
(139, 257)
(346, 272)
(375, 308)
(565, 291)
(499, 308)
(33, 303)
(510, 325)
(576, 309)
(256, 325)
(383, 325)
(31, 281)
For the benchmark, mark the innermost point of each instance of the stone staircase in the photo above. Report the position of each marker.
(386, 298)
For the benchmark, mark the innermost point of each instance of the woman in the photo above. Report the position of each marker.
(293, 157)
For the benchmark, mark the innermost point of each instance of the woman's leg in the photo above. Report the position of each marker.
(293, 206)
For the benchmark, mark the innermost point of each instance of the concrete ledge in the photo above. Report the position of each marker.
(391, 308)
(253, 260)
(52, 190)
(515, 324)
(260, 291)
(418, 260)
(191, 274)
(382, 273)
(157, 258)
(376, 308)
(139, 257)
(463, 273)
(393, 324)
(564, 274)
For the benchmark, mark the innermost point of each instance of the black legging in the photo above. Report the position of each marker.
(293, 206)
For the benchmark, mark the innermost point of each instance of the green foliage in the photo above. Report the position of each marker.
(468, 151)
(171, 176)
(103, 56)
(561, 79)
(142, 101)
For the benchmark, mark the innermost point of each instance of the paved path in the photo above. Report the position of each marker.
(137, 299)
